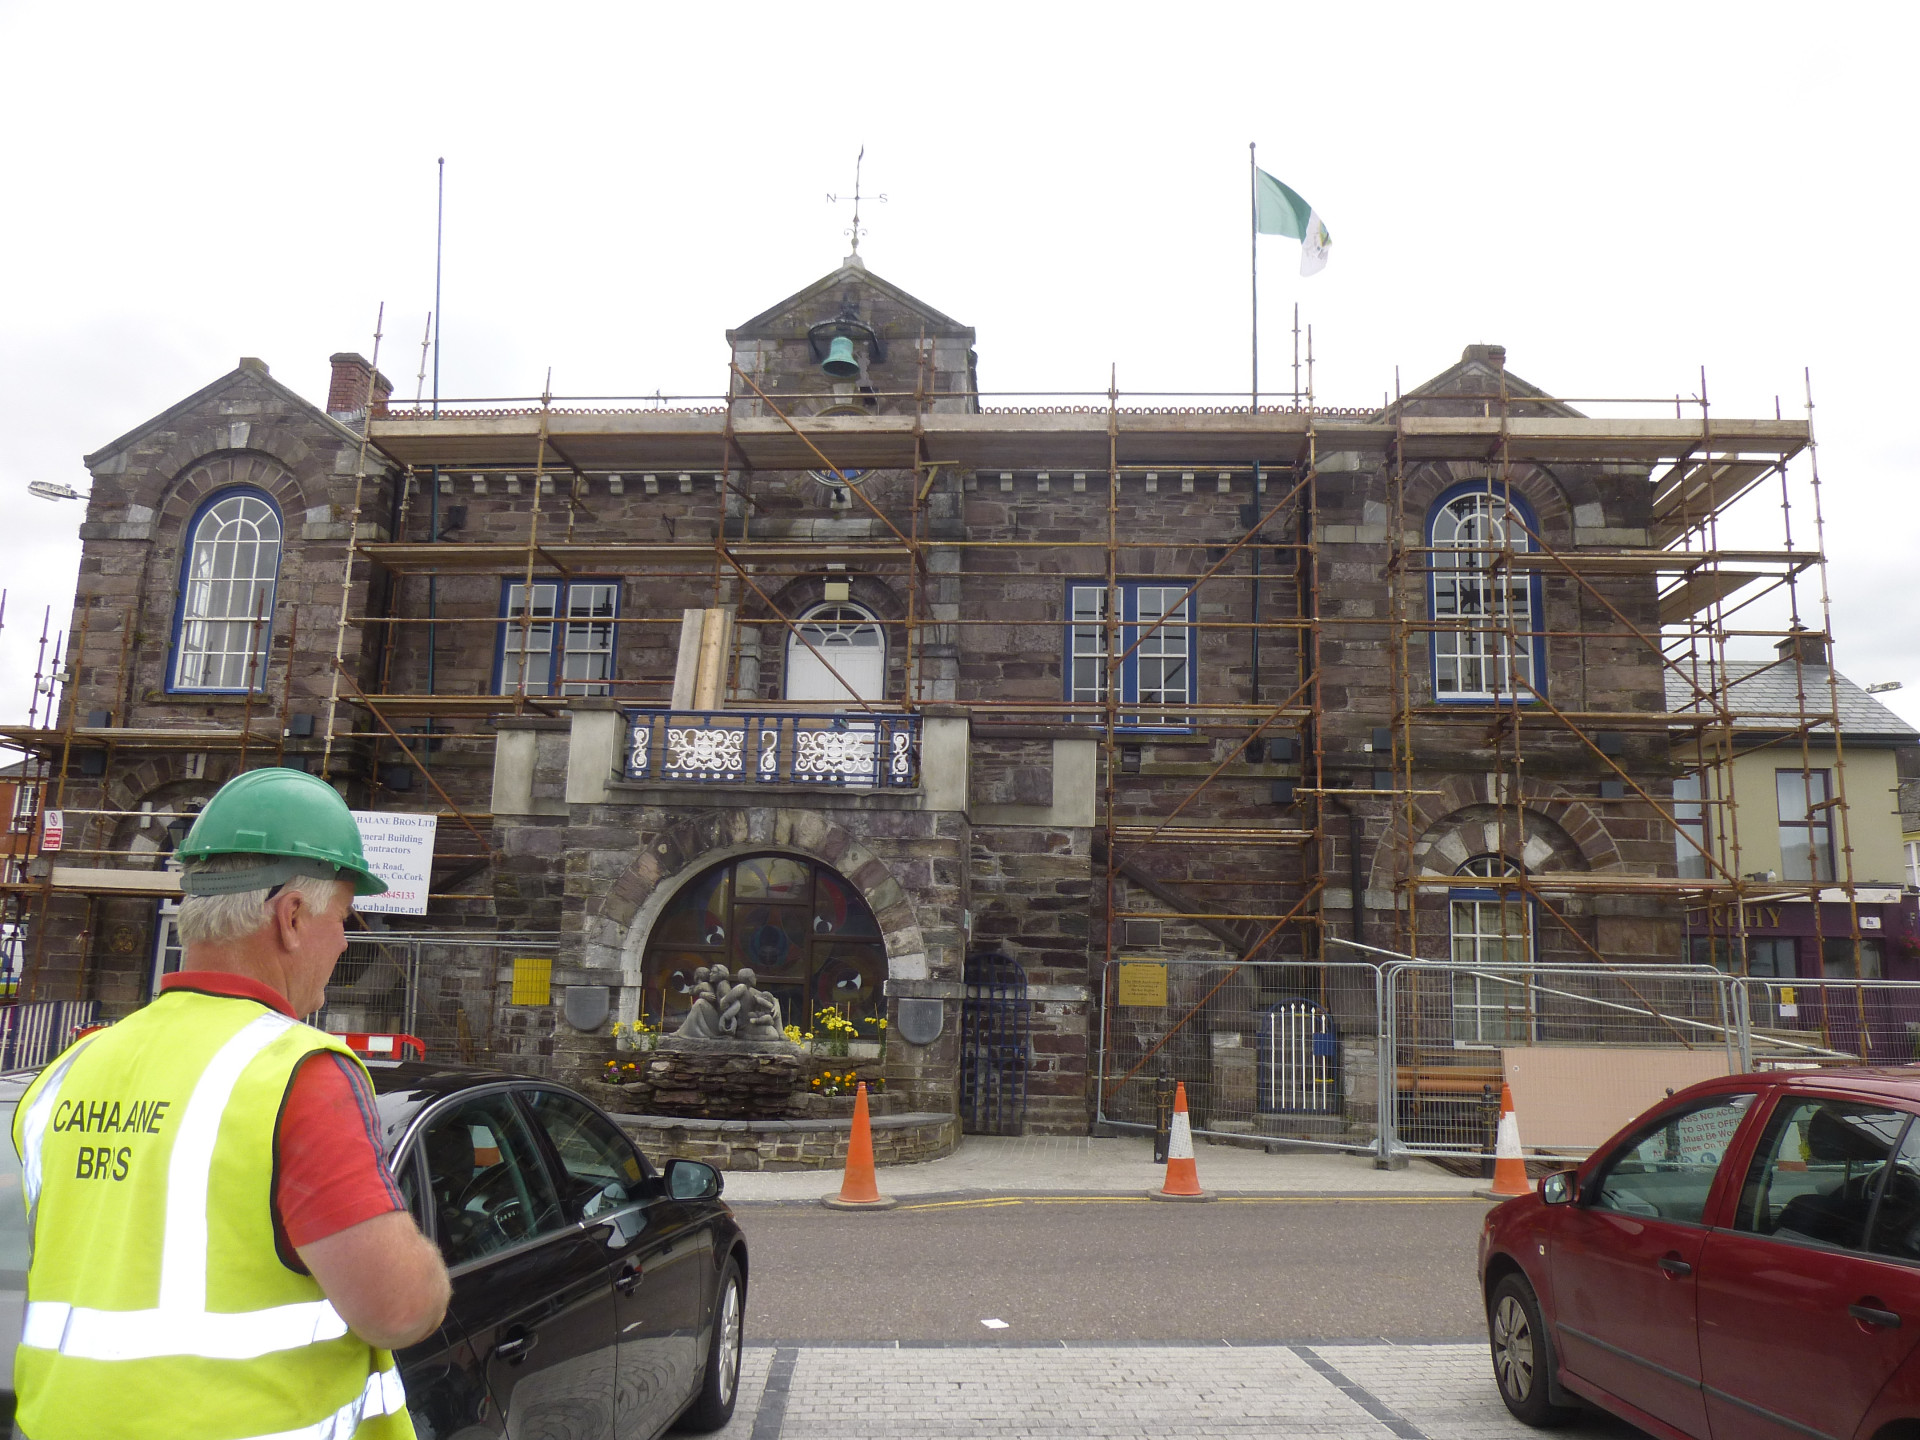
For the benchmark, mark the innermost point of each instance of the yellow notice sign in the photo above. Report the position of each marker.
(1143, 982)
(532, 980)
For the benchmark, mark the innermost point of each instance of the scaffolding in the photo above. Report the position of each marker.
(1166, 850)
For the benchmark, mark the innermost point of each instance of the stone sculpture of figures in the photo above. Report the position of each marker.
(762, 1014)
(729, 1008)
(703, 1017)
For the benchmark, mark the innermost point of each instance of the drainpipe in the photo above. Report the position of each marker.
(1355, 902)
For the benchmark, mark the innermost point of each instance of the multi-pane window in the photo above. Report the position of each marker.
(1491, 930)
(226, 595)
(1806, 823)
(563, 643)
(1483, 610)
(1156, 646)
(26, 807)
(1689, 828)
(1913, 862)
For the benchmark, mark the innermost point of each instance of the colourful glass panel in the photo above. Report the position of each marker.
(770, 939)
(771, 877)
(697, 915)
(839, 910)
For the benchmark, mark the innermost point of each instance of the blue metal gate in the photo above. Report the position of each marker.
(1298, 1060)
(993, 1046)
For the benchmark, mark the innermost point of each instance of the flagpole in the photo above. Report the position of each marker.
(1253, 242)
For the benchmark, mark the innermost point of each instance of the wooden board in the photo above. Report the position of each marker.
(1573, 1097)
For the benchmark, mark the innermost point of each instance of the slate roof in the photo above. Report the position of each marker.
(1773, 690)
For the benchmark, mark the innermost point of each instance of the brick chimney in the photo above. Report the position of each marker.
(1810, 645)
(353, 381)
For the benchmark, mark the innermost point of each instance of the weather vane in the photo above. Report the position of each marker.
(855, 230)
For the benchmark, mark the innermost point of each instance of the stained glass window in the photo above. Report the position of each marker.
(804, 931)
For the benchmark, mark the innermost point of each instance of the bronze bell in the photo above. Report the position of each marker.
(840, 362)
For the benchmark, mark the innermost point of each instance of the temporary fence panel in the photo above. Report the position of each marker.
(1446, 1027)
(994, 1046)
(1267, 1049)
(32, 1034)
(444, 988)
(1797, 1022)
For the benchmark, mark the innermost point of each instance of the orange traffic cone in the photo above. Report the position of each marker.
(1183, 1180)
(859, 1190)
(1509, 1166)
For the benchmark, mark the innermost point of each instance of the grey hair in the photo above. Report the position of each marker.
(216, 919)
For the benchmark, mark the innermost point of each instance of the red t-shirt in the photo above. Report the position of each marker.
(330, 1170)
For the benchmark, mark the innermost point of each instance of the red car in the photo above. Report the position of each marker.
(1741, 1261)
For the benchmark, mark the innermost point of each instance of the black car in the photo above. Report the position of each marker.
(592, 1296)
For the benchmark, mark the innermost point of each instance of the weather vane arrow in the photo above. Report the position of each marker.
(856, 230)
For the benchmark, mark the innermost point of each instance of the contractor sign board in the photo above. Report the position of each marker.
(399, 850)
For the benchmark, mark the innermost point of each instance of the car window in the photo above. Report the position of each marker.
(1816, 1170)
(13, 1211)
(1667, 1171)
(602, 1170)
(1896, 1219)
(489, 1186)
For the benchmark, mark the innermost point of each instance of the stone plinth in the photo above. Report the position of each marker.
(791, 1144)
(708, 1080)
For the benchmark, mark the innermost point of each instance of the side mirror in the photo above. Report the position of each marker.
(692, 1180)
(1557, 1189)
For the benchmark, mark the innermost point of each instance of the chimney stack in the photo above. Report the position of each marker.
(1809, 645)
(355, 382)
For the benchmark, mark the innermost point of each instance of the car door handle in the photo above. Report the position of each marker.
(629, 1278)
(514, 1348)
(1674, 1265)
(1873, 1315)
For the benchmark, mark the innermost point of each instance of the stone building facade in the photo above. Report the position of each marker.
(955, 594)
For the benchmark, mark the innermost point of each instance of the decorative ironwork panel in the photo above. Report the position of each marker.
(727, 747)
(994, 1046)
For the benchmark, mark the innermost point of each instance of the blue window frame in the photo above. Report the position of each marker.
(565, 646)
(1157, 637)
(230, 568)
(1487, 643)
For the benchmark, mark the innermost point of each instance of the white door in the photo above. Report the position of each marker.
(848, 639)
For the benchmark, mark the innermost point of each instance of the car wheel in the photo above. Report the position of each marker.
(1522, 1355)
(722, 1386)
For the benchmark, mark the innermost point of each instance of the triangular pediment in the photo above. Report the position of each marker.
(249, 376)
(897, 314)
(1474, 386)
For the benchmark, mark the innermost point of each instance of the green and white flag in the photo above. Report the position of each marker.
(1282, 212)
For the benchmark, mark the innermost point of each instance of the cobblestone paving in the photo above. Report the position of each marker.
(1128, 1392)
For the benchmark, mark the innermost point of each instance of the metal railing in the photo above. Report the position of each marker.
(855, 750)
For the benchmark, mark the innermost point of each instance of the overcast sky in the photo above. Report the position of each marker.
(1619, 194)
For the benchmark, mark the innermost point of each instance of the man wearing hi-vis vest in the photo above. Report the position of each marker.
(218, 1249)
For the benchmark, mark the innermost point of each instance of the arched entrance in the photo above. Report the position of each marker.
(802, 928)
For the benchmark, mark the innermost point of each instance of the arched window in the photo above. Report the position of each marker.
(847, 637)
(1492, 931)
(226, 594)
(1485, 642)
(803, 930)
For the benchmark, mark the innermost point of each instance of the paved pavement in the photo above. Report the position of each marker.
(1076, 1164)
(1119, 1392)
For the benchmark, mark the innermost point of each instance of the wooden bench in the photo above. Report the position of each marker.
(1464, 1081)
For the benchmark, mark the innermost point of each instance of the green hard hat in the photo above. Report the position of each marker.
(295, 822)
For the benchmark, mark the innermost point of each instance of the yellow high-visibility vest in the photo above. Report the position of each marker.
(157, 1303)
